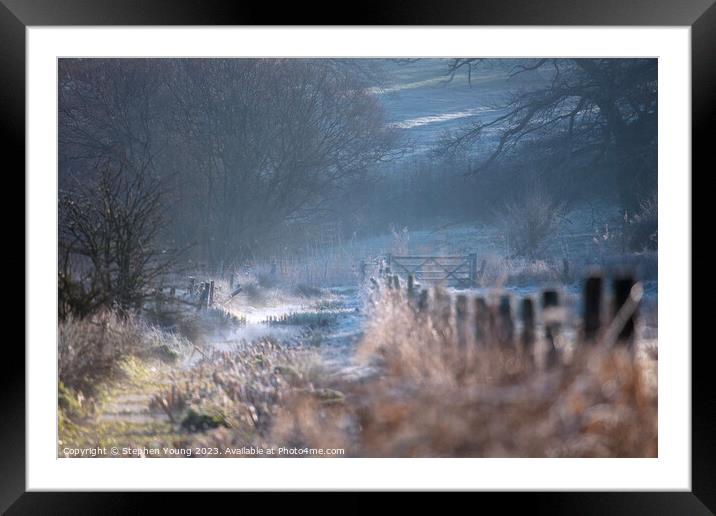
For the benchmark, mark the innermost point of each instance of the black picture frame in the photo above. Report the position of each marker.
(700, 15)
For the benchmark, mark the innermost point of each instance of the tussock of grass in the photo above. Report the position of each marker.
(89, 349)
(310, 319)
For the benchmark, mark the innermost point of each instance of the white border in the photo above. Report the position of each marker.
(670, 471)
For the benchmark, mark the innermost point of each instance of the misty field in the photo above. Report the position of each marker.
(357, 258)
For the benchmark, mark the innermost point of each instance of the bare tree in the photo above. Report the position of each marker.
(576, 107)
(247, 149)
(109, 246)
(268, 142)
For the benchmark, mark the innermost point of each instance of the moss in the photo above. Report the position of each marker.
(68, 402)
(166, 353)
(197, 422)
(329, 396)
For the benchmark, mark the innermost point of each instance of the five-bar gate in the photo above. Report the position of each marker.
(456, 271)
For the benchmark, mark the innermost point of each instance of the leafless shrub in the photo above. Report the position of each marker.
(109, 250)
(642, 227)
(529, 222)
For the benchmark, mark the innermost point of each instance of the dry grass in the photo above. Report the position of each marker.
(90, 348)
(441, 391)
(437, 397)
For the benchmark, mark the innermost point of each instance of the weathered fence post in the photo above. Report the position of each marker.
(203, 295)
(210, 297)
(461, 319)
(192, 285)
(396, 282)
(411, 286)
(423, 301)
(443, 306)
(473, 269)
(622, 287)
(231, 280)
(550, 308)
(482, 321)
(506, 325)
(527, 312)
(592, 307)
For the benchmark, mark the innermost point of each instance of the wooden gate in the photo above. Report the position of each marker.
(456, 271)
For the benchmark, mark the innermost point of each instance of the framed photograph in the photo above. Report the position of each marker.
(445, 248)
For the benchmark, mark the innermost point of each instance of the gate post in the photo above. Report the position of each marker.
(473, 269)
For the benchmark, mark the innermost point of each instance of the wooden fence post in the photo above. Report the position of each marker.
(396, 282)
(592, 307)
(203, 295)
(482, 321)
(231, 280)
(527, 312)
(550, 308)
(192, 285)
(411, 286)
(443, 305)
(461, 319)
(506, 325)
(210, 300)
(622, 289)
(424, 301)
(473, 269)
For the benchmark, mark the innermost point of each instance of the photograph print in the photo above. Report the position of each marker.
(290, 257)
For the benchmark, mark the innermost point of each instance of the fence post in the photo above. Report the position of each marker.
(443, 304)
(592, 307)
(192, 285)
(473, 269)
(411, 286)
(231, 280)
(622, 289)
(423, 300)
(506, 326)
(482, 320)
(461, 319)
(550, 308)
(210, 300)
(203, 293)
(396, 282)
(527, 311)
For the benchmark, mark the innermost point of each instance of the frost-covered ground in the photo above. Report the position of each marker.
(422, 102)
